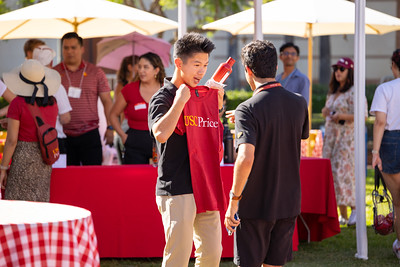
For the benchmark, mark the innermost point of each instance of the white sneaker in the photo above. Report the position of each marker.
(396, 249)
(352, 219)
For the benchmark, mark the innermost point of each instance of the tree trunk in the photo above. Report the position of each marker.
(324, 60)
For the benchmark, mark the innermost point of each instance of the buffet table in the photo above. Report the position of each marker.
(45, 234)
(125, 215)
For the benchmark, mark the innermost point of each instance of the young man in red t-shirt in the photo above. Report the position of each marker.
(175, 193)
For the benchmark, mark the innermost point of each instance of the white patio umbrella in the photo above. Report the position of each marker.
(89, 18)
(306, 18)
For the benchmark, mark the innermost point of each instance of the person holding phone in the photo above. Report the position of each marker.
(339, 136)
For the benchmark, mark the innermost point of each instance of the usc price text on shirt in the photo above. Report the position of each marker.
(197, 121)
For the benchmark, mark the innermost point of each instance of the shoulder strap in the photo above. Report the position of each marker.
(378, 176)
(36, 114)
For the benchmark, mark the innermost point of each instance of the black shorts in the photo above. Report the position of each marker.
(261, 241)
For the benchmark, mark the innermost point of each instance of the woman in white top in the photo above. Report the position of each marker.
(386, 145)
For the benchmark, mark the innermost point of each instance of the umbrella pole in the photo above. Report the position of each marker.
(310, 67)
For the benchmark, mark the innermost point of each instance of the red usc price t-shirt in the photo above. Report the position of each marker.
(200, 120)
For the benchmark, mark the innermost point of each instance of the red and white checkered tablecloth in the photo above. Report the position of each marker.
(70, 241)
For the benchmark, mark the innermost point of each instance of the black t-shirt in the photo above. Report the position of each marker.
(173, 164)
(274, 121)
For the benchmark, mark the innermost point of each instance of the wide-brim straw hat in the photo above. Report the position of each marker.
(33, 72)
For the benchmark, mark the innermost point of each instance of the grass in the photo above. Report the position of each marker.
(335, 251)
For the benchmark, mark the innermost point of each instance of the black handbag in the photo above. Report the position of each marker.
(383, 207)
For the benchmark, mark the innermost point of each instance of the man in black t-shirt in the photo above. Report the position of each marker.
(266, 184)
(174, 194)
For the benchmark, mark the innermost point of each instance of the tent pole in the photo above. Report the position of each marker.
(258, 35)
(359, 128)
(182, 24)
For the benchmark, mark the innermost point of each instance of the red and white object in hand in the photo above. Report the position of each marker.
(223, 71)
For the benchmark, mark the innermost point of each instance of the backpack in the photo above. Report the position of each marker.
(47, 136)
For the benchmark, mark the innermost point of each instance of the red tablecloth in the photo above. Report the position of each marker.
(125, 215)
(45, 234)
(318, 201)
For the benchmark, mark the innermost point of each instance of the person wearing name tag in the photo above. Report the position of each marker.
(84, 83)
(133, 101)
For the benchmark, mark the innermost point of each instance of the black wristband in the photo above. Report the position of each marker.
(109, 127)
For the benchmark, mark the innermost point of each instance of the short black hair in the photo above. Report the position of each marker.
(72, 35)
(287, 45)
(190, 44)
(396, 58)
(261, 58)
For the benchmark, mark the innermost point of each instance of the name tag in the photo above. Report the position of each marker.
(74, 92)
(140, 106)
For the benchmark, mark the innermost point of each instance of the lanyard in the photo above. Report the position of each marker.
(268, 86)
(69, 80)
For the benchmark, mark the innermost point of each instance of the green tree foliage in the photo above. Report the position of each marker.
(24, 3)
(3, 7)
(205, 10)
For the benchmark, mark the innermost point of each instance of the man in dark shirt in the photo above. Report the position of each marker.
(174, 193)
(266, 184)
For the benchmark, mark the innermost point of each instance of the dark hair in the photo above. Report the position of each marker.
(39, 101)
(261, 58)
(72, 35)
(396, 58)
(123, 69)
(334, 85)
(287, 45)
(192, 43)
(31, 44)
(156, 62)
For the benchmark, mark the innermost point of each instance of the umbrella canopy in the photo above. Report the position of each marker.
(89, 18)
(111, 51)
(305, 18)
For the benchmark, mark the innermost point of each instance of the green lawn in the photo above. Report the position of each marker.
(336, 251)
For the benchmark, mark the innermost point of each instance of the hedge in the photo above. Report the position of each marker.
(235, 97)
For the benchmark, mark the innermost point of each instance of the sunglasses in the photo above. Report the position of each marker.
(293, 54)
(335, 68)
